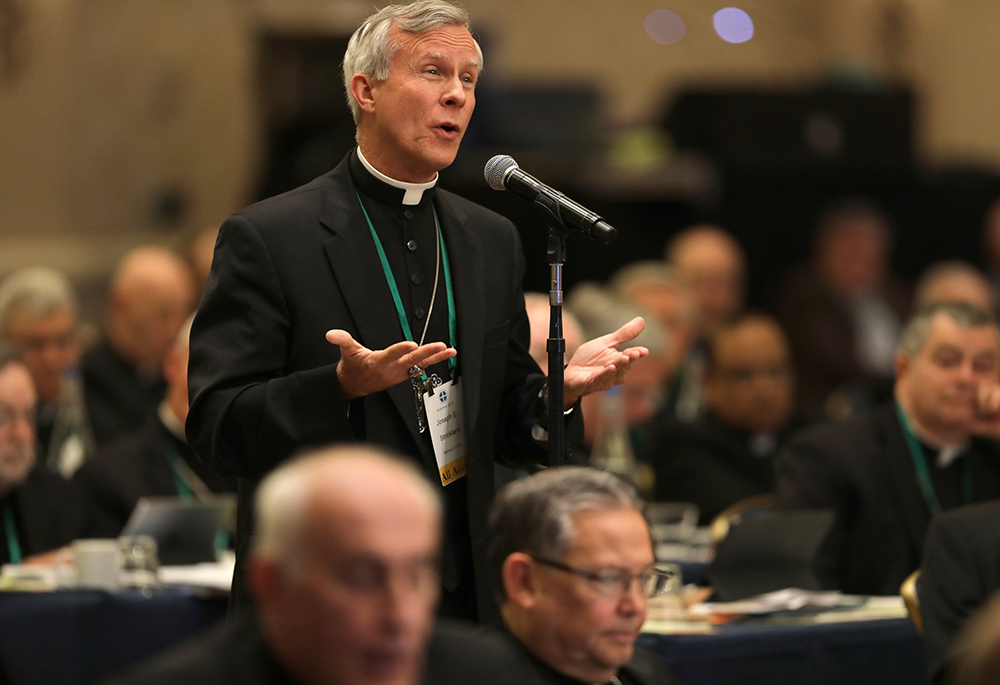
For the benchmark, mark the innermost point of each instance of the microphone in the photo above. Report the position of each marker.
(503, 173)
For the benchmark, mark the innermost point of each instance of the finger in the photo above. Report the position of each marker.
(437, 358)
(397, 351)
(419, 356)
(628, 331)
(341, 338)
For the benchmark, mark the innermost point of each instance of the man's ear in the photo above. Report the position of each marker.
(362, 90)
(901, 364)
(519, 582)
(264, 581)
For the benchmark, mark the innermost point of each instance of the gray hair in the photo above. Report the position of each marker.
(918, 328)
(657, 274)
(36, 291)
(600, 312)
(282, 498)
(371, 49)
(535, 515)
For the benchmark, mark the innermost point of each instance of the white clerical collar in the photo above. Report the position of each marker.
(414, 191)
(947, 454)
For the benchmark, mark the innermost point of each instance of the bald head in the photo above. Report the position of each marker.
(711, 260)
(954, 281)
(150, 296)
(344, 569)
(357, 484)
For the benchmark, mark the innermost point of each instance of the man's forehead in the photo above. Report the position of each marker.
(441, 42)
(946, 332)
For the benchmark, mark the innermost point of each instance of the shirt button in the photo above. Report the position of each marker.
(415, 279)
(419, 312)
(408, 213)
(411, 245)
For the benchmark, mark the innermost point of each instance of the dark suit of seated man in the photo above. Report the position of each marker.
(573, 562)
(154, 461)
(961, 569)
(343, 574)
(888, 473)
(40, 510)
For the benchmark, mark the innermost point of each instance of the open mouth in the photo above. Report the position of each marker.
(448, 128)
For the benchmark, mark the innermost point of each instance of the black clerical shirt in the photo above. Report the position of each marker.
(408, 235)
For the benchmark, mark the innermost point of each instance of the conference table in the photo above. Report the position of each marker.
(80, 637)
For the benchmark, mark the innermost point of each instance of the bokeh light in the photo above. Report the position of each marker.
(664, 26)
(733, 25)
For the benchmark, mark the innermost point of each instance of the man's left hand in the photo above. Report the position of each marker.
(598, 364)
(987, 420)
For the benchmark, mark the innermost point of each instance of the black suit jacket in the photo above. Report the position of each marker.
(861, 468)
(50, 511)
(235, 653)
(708, 464)
(263, 377)
(119, 400)
(961, 569)
(137, 465)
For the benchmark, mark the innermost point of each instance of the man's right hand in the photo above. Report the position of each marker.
(362, 371)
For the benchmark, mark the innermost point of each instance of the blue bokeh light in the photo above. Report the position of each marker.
(733, 25)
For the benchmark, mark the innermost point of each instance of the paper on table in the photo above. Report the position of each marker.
(215, 576)
(789, 599)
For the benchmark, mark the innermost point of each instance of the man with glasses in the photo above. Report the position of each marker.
(39, 511)
(573, 565)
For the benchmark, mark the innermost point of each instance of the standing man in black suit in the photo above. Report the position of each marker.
(331, 308)
(887, 473)
(573, 565)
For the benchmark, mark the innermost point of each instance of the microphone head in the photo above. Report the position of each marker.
(496, 170)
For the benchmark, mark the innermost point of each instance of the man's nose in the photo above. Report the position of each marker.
(454, 93)
(634, 599)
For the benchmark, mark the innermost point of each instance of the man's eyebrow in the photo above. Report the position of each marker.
(440, 57)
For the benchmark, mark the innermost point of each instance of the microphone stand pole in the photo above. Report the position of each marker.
(556, 344)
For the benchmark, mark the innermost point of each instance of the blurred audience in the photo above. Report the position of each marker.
(961, 569)
(842, 312)
(953, 281)
(659, 289)
(888, 472)
(728, 454)
(343, 573)
(150, 296)
(991, 247)
(156, 460)
(41, 511)
(537, 307)
(713, 263)
(38, 316)
(574, 566)
(198, 250)
(600, 312)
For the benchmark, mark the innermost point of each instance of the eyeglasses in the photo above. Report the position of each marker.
(613, 583)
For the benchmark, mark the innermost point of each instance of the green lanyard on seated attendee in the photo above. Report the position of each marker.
(923, 471)
(13, 544)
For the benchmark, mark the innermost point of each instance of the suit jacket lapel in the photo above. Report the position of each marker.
(902, 480)
(358, 273)
(465, 256)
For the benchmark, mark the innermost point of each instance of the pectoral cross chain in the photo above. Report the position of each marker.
(420, 388)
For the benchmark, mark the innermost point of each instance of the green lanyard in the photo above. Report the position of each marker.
(400, 312)
(923, 472)
(12, 542)
(183, 489)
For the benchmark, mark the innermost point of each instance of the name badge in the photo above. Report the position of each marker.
(446, 422)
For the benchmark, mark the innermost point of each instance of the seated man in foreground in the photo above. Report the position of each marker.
(573, 561)
(41, 511)
(887, 473)
(344, 576)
